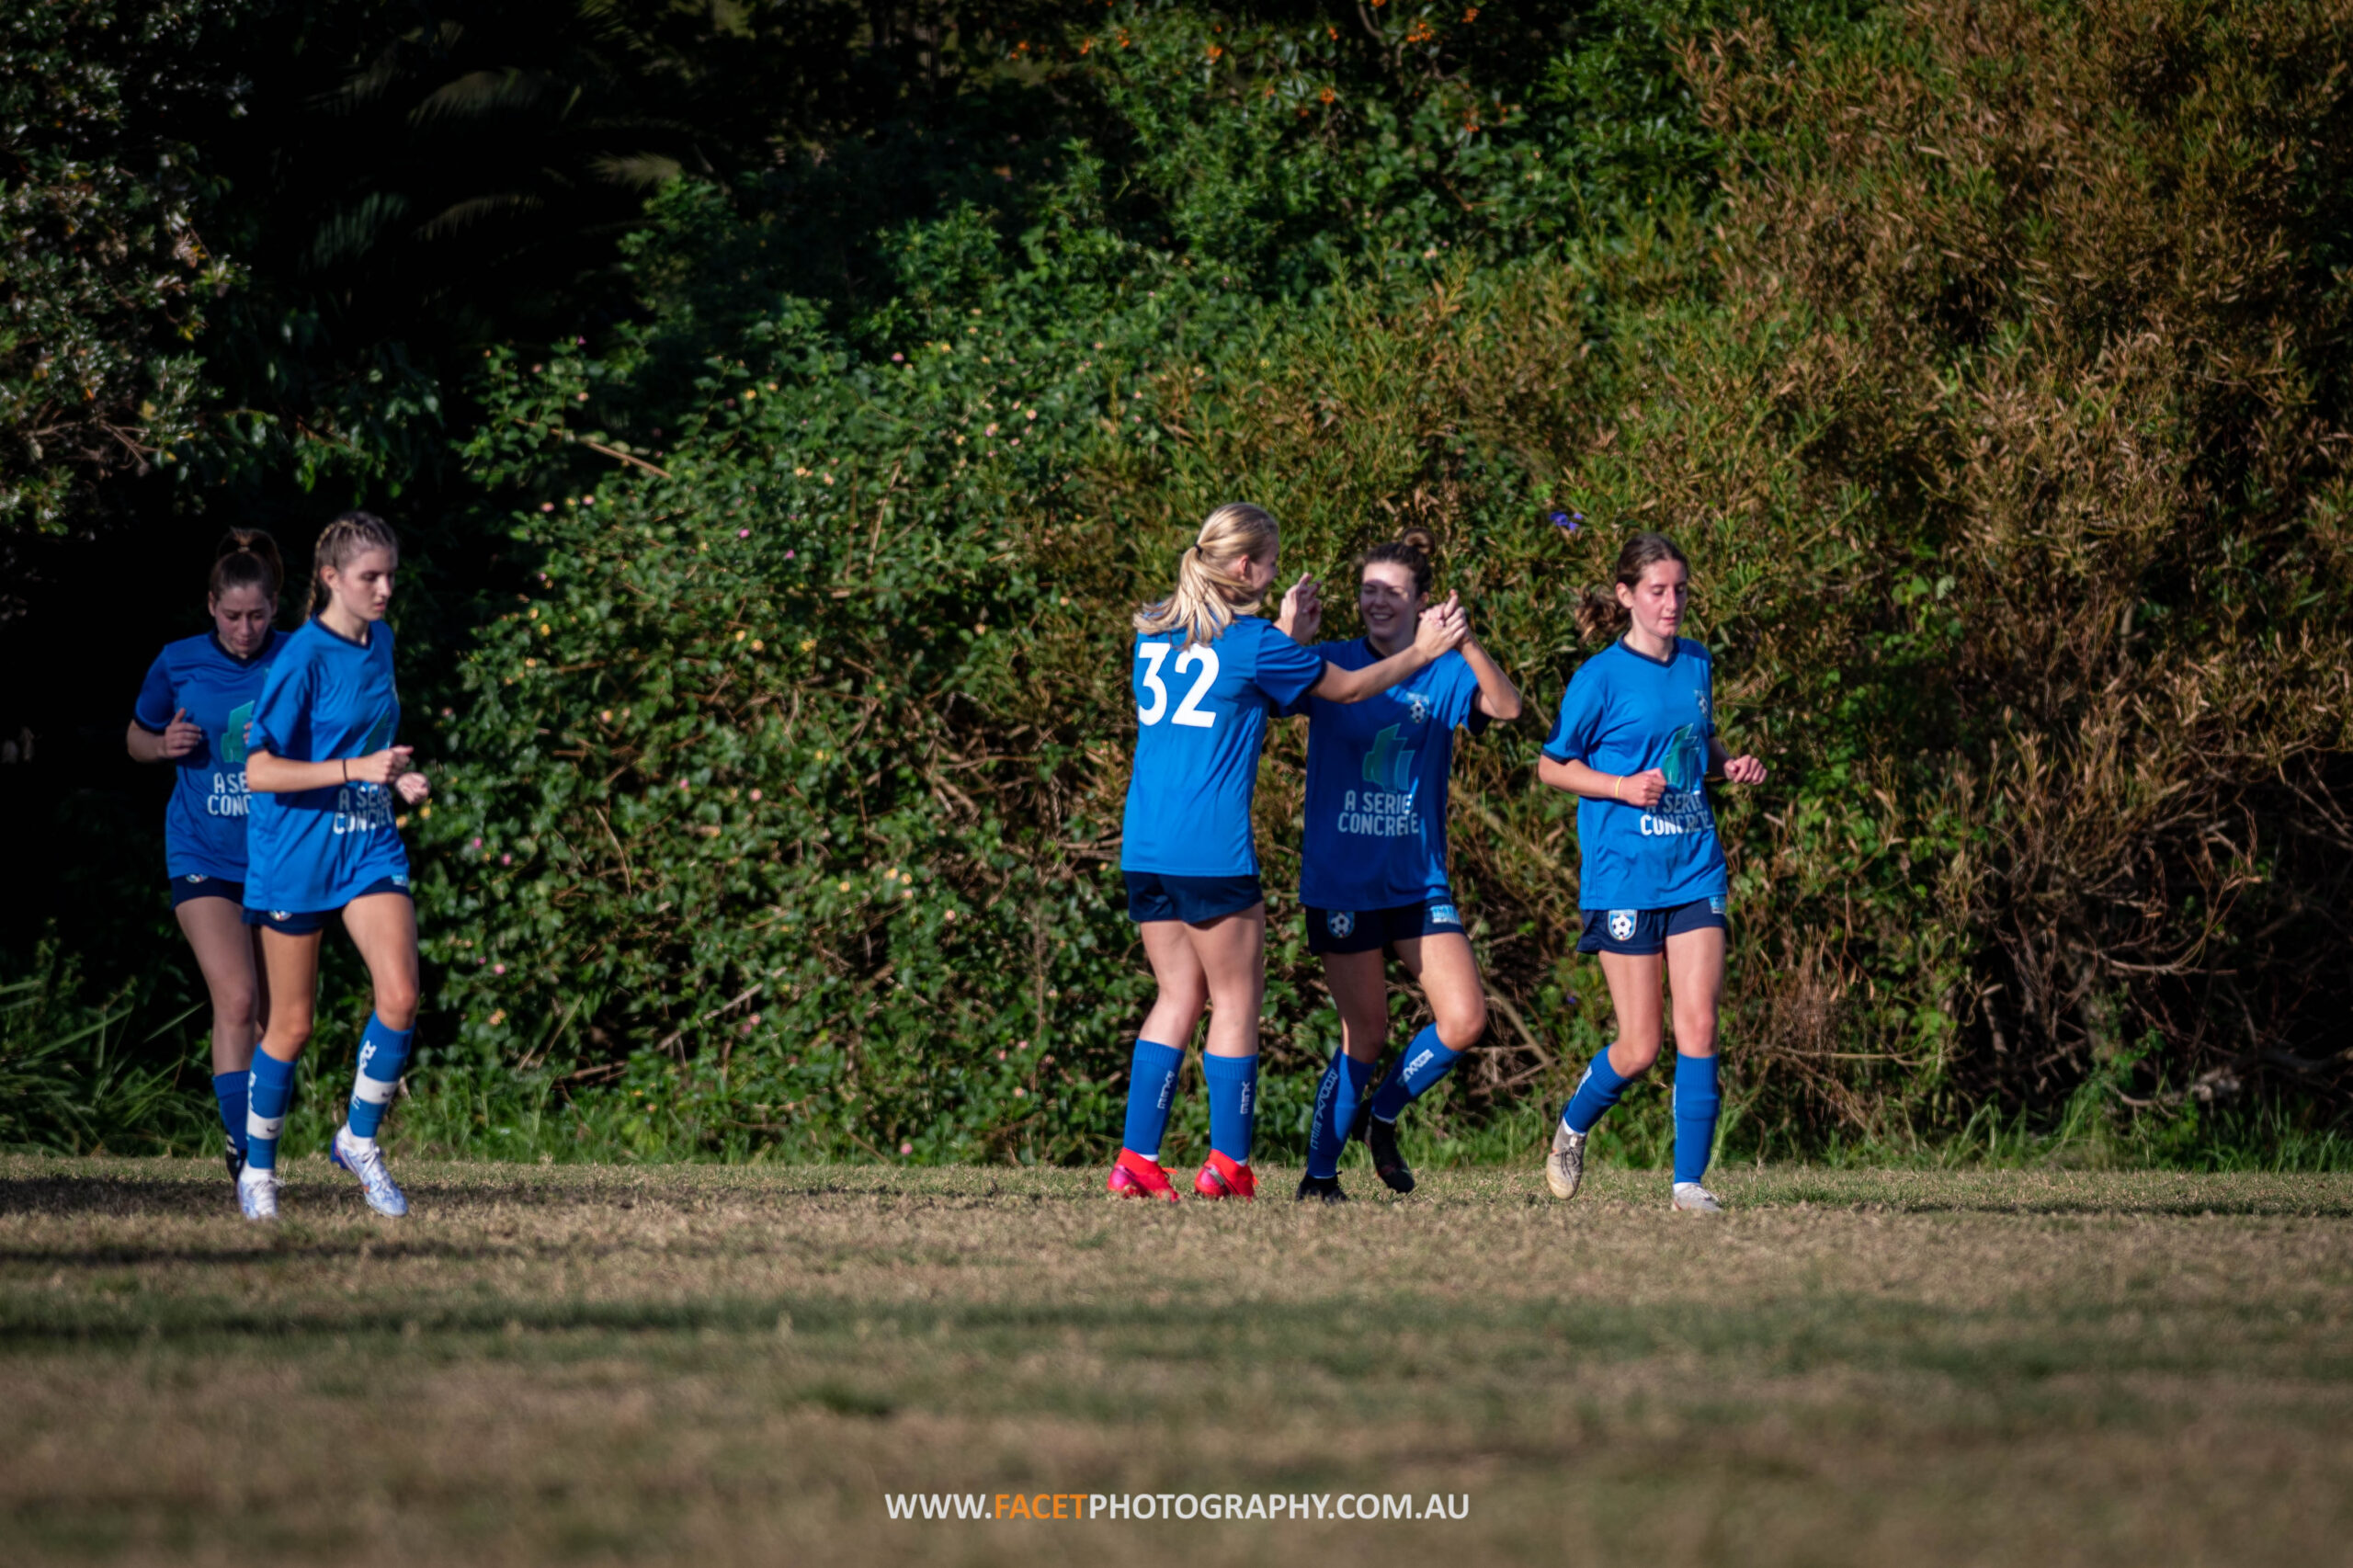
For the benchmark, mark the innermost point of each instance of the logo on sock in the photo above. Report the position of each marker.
(1621, 925)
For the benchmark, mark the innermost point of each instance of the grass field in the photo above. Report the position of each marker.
(736, 1364)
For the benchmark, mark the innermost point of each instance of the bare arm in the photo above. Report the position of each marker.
(1442, 627)
(275, 776)
(176, 739)
(1634, 789)
(1498, 697)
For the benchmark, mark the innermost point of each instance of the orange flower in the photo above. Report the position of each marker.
(1216, 50)
(1326, 95)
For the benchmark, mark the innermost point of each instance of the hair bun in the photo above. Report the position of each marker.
(1419, 538)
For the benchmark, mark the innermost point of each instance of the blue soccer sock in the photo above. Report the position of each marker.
(229, 1089)
(1596, 1091)
(1233, 1104)
(271, 1093)
(383, 1052)
(1152, 1089)
(1695, 1116)
(1336, 1098)
(1418, 1070)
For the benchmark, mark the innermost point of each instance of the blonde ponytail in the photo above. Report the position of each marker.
(1209, 593)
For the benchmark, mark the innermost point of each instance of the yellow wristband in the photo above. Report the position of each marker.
(1614, 783)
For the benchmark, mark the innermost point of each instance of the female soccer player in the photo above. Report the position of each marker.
(191, 712)
(1205, 673)
(1372, 873)
(1635, 742)
(324, 771)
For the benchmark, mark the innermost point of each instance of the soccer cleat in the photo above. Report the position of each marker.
(1132, 1176)
(257, 1194)
(1381, 1138)
(1323, 1188)
(1221, 1177)
(366, 1161)
(1564, 1166)
(236, 1161)
(1690, 1198)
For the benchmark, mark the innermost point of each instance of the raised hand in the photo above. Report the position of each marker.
(182, 735)
(1302, 610)
(1443, 628)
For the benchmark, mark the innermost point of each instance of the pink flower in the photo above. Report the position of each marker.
(790, 553)
(898, 358)
(477, 844)
(506, 859)
(755, 794)
(498, 969)
(906, 1148)
(743, 533)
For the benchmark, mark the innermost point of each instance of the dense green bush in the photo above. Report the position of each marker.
(1996, 395)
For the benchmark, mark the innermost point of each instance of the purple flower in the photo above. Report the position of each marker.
(1569, 520)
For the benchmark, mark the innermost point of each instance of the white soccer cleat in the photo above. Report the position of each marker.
(1564, 1166)
(363, 1159)
(1690, 1198)
(257, 1194)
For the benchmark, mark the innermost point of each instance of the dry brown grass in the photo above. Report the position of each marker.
(736, 1365)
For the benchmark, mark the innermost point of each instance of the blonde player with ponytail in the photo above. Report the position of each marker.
(325, 768)
(1205, 673)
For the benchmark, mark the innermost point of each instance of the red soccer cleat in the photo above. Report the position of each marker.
(1134, 1176)
(1221, 1177)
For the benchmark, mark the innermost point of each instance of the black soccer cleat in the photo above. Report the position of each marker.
(1324, 1189)
(1381, 1138)
(236, 1161)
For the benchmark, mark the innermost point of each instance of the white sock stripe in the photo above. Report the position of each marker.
(373, 1091)
(260, 1126)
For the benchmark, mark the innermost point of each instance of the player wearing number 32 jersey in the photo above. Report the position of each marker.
(1205, 676)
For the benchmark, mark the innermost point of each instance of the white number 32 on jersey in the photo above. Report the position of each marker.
(1189, 712)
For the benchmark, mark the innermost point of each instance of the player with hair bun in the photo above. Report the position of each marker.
(1372, 872)
(1635, 743)
(1204, 673)
(324, 771)
(191, 712)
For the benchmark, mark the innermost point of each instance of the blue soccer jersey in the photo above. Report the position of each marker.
(204, 827)
(1376, 784)
(1626, 713)
(327, 699)
(1201, 718)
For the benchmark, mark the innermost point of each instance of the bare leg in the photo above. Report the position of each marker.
(1695, 973)
(1450, 976)
(383, 927)
(223, 945)
(1360, 987)
(1183, 989)
(290, 964)
(1634, 980)
(1231, 952)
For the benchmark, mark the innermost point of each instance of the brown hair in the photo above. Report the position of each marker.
(246, 558)
(1209, 596)
(1412, 550)
(1599, 615)
(347, 535)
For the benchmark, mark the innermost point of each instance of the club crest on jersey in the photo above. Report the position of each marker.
(1417, 707)
(1443, 915)
(1621, 925)
(1340, 922)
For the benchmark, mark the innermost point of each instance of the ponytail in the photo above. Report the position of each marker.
(247, 558)
(345, 536)
(1600, 618)
(1209, 595)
